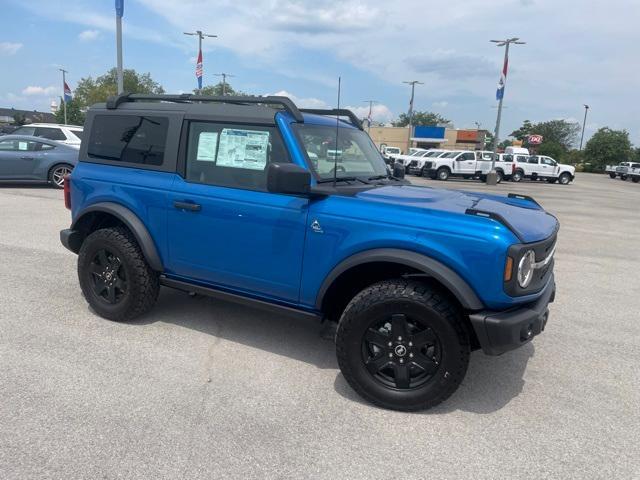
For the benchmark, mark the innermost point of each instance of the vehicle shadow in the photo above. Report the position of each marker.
(297, 338)
(490, 383)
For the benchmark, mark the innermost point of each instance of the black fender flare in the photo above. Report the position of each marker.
(133, 223)
(430, 267)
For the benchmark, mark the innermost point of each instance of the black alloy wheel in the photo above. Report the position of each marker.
(401, 353)
(108, 276)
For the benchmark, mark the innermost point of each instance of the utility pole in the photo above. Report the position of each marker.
(413, 84)
(224, 81)
(119, 14)
(199, 70)
(370, 102)
(64, 100)
(492, 176)
(584, 122)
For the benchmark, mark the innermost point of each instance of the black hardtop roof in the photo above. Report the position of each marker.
(237, 108)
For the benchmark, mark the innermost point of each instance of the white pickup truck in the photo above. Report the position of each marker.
(622, 170)
(634, 173)
(405, 159)
(541, 167)
(462, 163)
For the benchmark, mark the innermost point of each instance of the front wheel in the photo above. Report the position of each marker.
(612, 175)
(57, 174)
(635, 179)
(443, 173)
(500, 176)
(623, 177)
(517, 176)
(564, 179)
(403, 346)
(114, 276)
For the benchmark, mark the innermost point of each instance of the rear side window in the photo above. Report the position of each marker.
(50, 133)
(128, 138)
(77, 133)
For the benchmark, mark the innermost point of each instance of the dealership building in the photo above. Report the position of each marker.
(428, 137)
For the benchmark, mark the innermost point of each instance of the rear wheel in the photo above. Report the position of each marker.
(612, 175)
(114, 276)
(517, 176)
(57, 174)
(623, 177)
(402, 346)
(635, 179)
(443, 173)
(500, 176)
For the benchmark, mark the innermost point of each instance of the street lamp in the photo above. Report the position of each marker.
(492, 177)
(584, 122)
(370, 102)
(413, 84)
(199, 70)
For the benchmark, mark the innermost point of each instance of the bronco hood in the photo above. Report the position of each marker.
(528, 220)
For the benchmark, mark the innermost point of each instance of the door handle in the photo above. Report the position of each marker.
(26, 158)
(192, 207)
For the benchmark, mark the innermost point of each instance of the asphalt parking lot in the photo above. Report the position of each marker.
(204, 389)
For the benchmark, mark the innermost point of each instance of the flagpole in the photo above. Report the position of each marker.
(200, 36)
(64, 100)
(492, 176)
(119, 14)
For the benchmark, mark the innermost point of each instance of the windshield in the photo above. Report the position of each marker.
(451, 154)
(433, 154)
(357, 155)
(392, 150)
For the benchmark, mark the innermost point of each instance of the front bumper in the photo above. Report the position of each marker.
(499, 332)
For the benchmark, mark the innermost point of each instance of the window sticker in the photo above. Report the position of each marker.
(243, 149)
(207, 143)
(23, 146)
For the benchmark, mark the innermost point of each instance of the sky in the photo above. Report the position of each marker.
(576, 52)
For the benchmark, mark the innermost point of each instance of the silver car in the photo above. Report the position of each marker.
(25, 158)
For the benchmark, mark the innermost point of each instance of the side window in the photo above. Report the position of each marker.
(233, 156)
(50, 133)
(548, 161)
(468, 156)
(128, 138)
(44, 146)
(8, 145)
(533, 159)
(507, 158)
(77, 133)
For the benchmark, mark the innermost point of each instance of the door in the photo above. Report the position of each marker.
(18, 159)
(225, 229)
(465, 164)
(533, 166)
(548, 167)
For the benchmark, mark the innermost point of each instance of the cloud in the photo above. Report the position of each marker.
(440, 104)
(88, 35)
(379, 113)
(309, 102)
(34, 91)
(450, 64)
(9, 48)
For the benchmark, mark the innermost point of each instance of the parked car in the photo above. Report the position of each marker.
(462, 163)
(405, 159)
(389, 152)
(243, 214)
(7, 129)
(69, 134)
(634, 174)
(27, 159)
(416, 166)
(541, 167)
(621, 170)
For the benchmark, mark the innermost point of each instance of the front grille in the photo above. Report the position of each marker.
(428, 164)
(413, 163)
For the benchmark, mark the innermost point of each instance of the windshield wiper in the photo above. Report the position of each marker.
(383, 177)
(343, 179)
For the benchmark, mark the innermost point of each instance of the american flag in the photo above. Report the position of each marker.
(503, 80)
(67, 93)
(199, 69)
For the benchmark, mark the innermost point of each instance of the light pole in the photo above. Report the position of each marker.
(119, 14)
(584, 122)
(492, 177)
(64, 93)
(199, 70)
(370, 102)
(413, 84)
(224, 81)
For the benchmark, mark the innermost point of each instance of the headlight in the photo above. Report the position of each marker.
(525, 268)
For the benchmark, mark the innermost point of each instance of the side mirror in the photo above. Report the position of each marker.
(398, 170)
(288, 178)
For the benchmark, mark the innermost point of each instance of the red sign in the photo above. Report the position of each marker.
(534, 139)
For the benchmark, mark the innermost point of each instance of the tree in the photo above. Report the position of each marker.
(488, 140)
(523, 132)
(608, 147)
(216, 90)
(504, 144)
(421, 119)
(560, 132)
(75, 116)
(552, 149)
(90, 91)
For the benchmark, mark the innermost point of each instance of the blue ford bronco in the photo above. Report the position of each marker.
(252, 200)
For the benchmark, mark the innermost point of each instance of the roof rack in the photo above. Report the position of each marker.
(114, 101)
(342, 112)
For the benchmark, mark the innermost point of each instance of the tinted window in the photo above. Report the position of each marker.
(128, 138)
(50, 133)
(232, 156)
(18, 146)
(24, 131)
(468, 156)
(507, 158)
(533, 160)
(77, 133)
(44, 146)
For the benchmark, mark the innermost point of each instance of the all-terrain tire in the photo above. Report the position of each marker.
(427, 309)
(142, 283)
